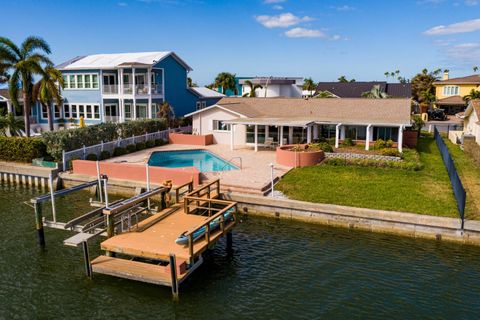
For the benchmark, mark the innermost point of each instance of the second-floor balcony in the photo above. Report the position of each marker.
(140, 89)
(110, 88)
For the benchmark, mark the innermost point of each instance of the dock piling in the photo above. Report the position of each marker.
(88, 266)
(39, 224)
(229, 242)
(173, 270)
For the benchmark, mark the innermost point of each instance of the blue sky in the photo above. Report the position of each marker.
(318, 39)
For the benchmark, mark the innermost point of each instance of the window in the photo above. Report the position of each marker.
(81, 111)
(65, 82)
(74, 111)
(155, 110)
(141, 111)
(386, 133)
(89, 114)
(199, 105)
(81, 81)
(204, 104)
(96, 112)
(219, 125)
(44, 112)
(128, 111)
(56, 112)
(66, 111)
(450, 91)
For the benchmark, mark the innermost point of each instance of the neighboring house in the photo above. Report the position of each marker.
(121, 87)
(449, 92)
(471, 124)
(6, 106)
(357, 88)
(206, 97)
(273, 87)
(248, 121)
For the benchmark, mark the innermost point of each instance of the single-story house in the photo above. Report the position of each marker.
(357, 88)
(248, 121)
(471, 123)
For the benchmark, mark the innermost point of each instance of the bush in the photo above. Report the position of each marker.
(380, 144)
(131, 148)
(150, 143)
(331, 141)
(325, 147)
(389, 143)
(72, 139)
(119, 151)
(91, 157)
(348, 142)
(140, 146)
(21, 149)
(390, 152)
(159, 142)
(104, 155)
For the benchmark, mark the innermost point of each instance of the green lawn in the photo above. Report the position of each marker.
(427, 191)
(470, 175)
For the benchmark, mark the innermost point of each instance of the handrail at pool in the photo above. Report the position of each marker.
(227, 164)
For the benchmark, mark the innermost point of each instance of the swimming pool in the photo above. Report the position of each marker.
(203, 160)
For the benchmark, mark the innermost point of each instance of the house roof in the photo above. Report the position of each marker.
(473, 79)
(115, 60)
(449, 101)
(473, 105)
(356, 89)
(349, 110)
(204, 92)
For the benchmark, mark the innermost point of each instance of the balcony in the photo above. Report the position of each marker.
(140, 89)
(110, 89)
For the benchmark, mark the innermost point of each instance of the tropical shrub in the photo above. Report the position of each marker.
(104, 155)
(91, 157)
(380, 144)
(21, 149)
(348, 142)
(320, 146)
(159, 142)
(140, 146)
(390, 152)
(119, 151)
(150, 143)
(131, 148)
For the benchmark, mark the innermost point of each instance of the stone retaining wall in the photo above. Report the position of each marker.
(378, 157)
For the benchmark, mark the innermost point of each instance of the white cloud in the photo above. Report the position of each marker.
(304, 33)
(277, 7)
(460, 27)
(336, 37)
(345, 7)
(273, 1)
(283, 20)
(465, 52)
(471, 2)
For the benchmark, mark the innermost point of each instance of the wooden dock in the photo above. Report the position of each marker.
(149, 252)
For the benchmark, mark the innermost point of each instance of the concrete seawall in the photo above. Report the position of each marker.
(403, 223)
(22, 173)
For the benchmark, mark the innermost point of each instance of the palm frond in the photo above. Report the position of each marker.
(33, 43)
(11, 46)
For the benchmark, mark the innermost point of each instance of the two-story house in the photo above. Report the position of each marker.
(122, 87)
(449, 92)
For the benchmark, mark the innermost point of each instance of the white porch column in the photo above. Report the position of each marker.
(309, 134)
(149, 83)
(400, 139)
(280, 135)
(120, 82)
(315, 131)
(121, 110)
(256, 138)
(9, 106)
(367, 140)
(290, 135)
(134, 93)
(232, 137)
(337, 135)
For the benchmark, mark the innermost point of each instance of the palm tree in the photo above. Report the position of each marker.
(475, 69)
(24, 62)
(4, 76)
(46, 90)
(190, 83)
(324, 94)
(375, 93)
(10, 124)
(253, 87)
(226, 80)
(309, 86)
(166, 112)
(422, 86)
(473, 95)
(343, 79)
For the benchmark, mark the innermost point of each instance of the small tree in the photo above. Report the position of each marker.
(10, 124)
(473, 95)
(226, 81)
(253, 87)
(46, 90)
(375, 93)
(166, 112)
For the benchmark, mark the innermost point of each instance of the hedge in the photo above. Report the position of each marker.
(72, 139)
(21, 149)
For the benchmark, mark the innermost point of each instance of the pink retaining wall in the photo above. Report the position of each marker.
(135, 172)
(289, 158)
(197, 140)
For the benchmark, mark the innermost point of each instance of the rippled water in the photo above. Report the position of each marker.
(280, 270)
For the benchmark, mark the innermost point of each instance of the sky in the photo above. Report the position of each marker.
(319, 39)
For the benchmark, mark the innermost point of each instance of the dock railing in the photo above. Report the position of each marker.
(208, 190)
(81, 153)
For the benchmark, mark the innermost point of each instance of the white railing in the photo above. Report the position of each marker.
(110, 88)
(110, 146)
(127, 88)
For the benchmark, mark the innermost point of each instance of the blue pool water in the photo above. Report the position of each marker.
(203, 160)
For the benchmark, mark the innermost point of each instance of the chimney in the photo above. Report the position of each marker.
(445, 75)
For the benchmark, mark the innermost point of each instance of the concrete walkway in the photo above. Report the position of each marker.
(254, 177)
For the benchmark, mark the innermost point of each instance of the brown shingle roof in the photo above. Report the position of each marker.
(453, 100)
(347, 110)
(473, 79)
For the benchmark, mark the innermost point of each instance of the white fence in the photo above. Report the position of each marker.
(110, 146)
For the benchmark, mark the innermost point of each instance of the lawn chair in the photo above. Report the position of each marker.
(269, 143)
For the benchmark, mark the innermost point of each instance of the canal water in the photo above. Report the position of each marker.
(280, 270)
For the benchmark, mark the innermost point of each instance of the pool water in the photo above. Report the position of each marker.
(203, 160)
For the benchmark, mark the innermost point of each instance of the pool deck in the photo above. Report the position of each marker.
(254, 177)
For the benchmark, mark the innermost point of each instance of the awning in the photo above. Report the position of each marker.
(271, 122)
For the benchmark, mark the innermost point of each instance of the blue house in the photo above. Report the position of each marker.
(122, 87)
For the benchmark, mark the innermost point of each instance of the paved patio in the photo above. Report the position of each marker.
(254, 177)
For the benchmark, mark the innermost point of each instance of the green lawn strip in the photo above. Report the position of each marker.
(470, 175)
(427, 191)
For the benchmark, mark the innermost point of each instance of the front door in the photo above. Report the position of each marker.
(111, 113)
(140, 84)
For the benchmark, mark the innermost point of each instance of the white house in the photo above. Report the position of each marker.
(471, 123)
(274, 87)
(240, 122)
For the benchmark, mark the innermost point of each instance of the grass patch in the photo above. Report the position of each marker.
(469, 173)
(427, 191)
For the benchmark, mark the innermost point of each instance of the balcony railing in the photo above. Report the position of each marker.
(110, 88)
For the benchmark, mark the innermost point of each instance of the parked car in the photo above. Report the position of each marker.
(437, 114)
